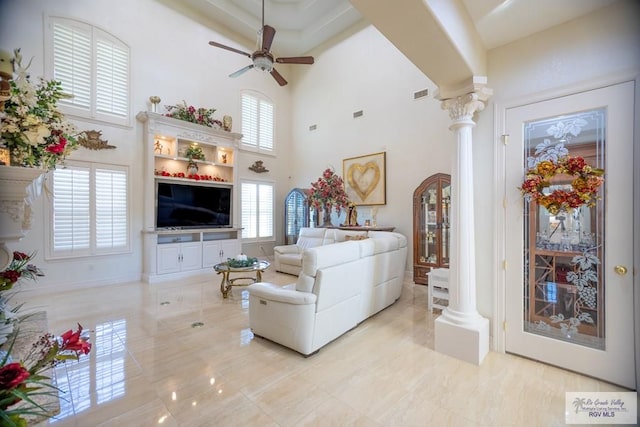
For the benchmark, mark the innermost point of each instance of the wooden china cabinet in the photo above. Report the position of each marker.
(431, 210)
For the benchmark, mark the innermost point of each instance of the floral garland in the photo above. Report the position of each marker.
(328, 191)
(587, 180)
(33, 129)
(189, 113)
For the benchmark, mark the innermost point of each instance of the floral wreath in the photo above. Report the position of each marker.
(584, 187)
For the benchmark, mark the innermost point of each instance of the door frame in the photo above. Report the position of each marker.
(500, 110)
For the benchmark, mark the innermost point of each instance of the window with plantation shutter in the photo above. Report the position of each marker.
(257, 122)
(111, 209)
(256, 207)
(71, 210)
(93, 67)
(89, 210)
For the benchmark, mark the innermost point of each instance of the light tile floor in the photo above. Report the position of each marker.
(150, 366)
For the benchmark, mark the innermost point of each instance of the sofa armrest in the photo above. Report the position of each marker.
(271, 292)
(288, 249)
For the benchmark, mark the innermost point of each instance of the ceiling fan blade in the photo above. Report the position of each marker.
(216, 44)
(268, 33)
(276, 75)
(241, 71)
(296, 60)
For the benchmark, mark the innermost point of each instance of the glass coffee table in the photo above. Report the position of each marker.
(226, 271)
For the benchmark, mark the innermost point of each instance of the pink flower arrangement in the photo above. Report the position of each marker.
(328, 192)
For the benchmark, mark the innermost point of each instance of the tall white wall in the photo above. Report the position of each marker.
(171, 58)
(366, 72)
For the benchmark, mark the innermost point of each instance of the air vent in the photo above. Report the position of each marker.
(421, 94)
(357, 114)
(313, 127)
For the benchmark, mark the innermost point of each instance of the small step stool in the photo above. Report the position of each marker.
(438, 288)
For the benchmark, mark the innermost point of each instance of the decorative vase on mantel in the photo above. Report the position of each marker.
(19, 188)
(326, 218)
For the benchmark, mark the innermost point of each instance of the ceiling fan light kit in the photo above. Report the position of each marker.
(262, 59)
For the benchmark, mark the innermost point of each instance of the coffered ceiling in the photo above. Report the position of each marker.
(305, 24)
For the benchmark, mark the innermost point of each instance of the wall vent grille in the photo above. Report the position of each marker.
(421, 94)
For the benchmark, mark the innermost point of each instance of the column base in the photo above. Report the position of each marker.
(469, 342)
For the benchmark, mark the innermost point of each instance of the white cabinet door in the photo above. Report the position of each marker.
(217, 251)
(210, 253)
(229, 249)
(191, 256)
(168, 258)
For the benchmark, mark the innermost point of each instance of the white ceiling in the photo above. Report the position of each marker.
(302, 25)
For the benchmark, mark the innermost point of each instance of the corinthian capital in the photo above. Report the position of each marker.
(462, 108)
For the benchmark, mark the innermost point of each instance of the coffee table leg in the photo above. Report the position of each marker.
(258, 275)
(225, 286)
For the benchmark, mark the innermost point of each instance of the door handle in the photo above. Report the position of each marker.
(620, 269)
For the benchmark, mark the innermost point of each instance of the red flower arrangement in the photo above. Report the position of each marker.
(21, 381)
(584, 187)
(328, 192)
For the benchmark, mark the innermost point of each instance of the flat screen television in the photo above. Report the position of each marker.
(181, 205)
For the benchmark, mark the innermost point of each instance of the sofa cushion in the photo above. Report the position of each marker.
(311, 237)
(402, 239)
(384, 244)
(291, 259)
(344, 235)
(323, 256)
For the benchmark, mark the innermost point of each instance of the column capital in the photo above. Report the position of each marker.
(463, 100)
(462, 108)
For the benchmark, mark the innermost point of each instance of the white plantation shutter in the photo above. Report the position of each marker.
(89, 210)
(72, 63)
(93, 66)
(71, 210)
(249, 120)
(249, 210)
(257, 122)
(256, 206)
(111, 209)
(265, 125)
(112, 79)
(265, 210)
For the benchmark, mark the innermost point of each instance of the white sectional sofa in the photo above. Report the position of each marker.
(288, 258)
(340, 285)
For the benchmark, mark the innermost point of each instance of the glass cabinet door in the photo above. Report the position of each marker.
(431, 206)
(296, 215)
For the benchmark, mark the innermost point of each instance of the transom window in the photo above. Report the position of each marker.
(93, 67)
(257, 122)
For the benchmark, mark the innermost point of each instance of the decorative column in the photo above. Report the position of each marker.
(460, 331)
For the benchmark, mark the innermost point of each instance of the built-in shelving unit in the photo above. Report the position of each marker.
(174, 253)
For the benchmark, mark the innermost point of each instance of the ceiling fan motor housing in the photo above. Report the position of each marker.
(263, 61)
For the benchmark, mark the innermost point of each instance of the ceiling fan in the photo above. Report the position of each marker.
(262, 58)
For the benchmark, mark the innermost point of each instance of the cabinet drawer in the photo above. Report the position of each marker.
(420, 275)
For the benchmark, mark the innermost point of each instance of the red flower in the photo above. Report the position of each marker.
(575, 165)
(57, 148)
(12, 375)
(72, 341)
(10, 275)
(20, 256)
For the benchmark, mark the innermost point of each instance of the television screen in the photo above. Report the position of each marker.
(192, 206)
